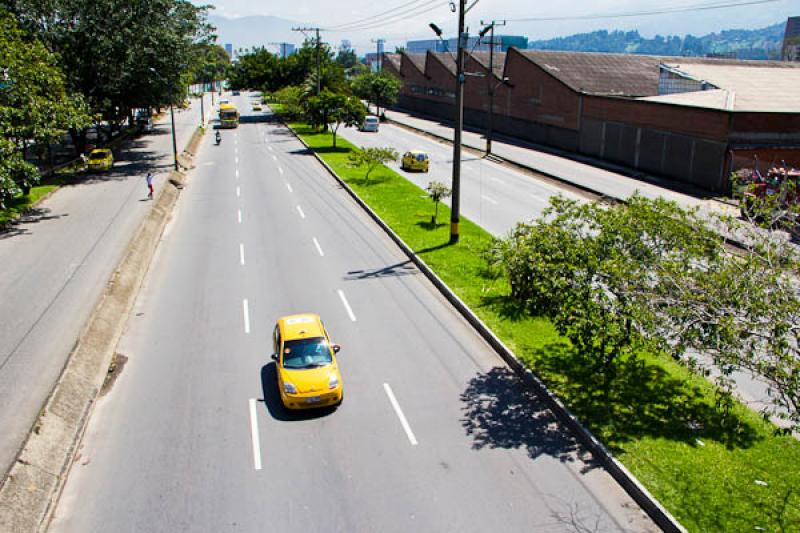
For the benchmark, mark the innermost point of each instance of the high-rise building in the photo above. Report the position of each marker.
(791, 40)
(286, 50)
(346, 44)
(229, 49)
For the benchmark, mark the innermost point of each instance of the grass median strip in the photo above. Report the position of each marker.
(713, 472)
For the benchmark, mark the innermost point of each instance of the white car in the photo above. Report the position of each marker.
(370, 124)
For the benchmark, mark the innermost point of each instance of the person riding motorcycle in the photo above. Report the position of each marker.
(218, 137)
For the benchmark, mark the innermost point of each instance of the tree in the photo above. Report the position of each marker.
(35, 106)
(437, 191)
(335, 110)
(380, 88)
(210, 63)
(651, 276)
(107, 49)
(256, 68)
(346, 58)
(371, 158)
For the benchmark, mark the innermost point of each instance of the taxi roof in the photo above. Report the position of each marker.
(103, 151)
(300, 326)
(418, 152)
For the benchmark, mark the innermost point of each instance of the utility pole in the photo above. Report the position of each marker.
(456, 185)
(490, 80)
(319, 46)
(379, 60)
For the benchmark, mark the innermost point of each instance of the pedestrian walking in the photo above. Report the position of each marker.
(150, 185)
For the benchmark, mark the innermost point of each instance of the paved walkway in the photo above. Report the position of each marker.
(56, 262)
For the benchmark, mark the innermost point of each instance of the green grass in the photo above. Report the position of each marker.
(659, 419)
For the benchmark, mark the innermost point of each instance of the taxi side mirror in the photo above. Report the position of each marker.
(275, 357)
(336, 348)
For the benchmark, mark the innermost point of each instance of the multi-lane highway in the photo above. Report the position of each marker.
(434, 433)
(494, 196)
(56, 261)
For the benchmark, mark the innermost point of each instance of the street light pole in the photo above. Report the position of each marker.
(459, 126)
(490, 80)
(202, 110)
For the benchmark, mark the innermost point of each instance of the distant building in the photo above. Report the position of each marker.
(503, 43)
(229, 49)
(791, 40)
(285, 50)
(346, 45)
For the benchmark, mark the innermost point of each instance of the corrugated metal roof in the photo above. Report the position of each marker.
(394, 59)
(447, 60)
(601, 74)
(747, 87)
(498, 63)
(418, 60)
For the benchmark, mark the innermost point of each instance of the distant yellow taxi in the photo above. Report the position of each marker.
(415, 160)
(100, 159)
(308, 375)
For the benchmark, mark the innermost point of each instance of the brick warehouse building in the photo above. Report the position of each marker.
(690, 119)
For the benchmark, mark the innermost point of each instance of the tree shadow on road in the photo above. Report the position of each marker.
(499, 412)
(404, 268)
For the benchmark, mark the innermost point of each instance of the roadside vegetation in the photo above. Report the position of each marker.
(713, 462)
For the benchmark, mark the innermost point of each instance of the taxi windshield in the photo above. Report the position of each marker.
(306, 353)
(98, 155)
(421, 157)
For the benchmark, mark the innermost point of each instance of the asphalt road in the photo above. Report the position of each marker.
(494, 196)
(434, 433)
(56, 262)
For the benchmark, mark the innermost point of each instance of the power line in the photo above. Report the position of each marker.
(407, 14)
(645, 13)
(362, 20)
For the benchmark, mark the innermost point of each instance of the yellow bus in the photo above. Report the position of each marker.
(228, 116)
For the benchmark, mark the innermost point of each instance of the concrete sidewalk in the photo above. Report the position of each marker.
(56, 262)
(601, 181)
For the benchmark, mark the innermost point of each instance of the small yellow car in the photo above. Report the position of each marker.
(415, 160)
(308, 375)
(100, 159)
(256, 107)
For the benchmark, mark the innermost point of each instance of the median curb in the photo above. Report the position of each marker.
(618, 471)
(29, 492)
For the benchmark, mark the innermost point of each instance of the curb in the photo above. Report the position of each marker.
(618, 471)
(31, 489)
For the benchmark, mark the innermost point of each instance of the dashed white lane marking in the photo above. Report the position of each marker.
(237, 173)
(241, 254)
(289, 186)
(489, 199)
(269, 148)
(399, 412)
(254, 434)
(274, 158)
(319, 248)
(246, 311)
(300, 210)
(239, 215)
(236, 150)
(346, 305)
(280, 169)
(237, 160)
(238, 191)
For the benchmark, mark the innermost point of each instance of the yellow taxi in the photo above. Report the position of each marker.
(308, 375)
(100, 159)
(415, 160)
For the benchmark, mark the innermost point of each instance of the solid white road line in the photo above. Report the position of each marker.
(300, 210)
(288, 186)
(246, 311)
(346, 305)
(319, 248)
(254, 434)
(399, 412)
(238, 191)
(241, 254)
(490, 200)
(280, 169)
(239, 215)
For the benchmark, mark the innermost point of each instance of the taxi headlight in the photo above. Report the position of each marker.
(289, 388)
(333, 382)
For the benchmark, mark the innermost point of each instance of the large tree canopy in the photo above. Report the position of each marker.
(35, 107)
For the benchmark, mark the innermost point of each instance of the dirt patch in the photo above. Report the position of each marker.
(114, 370)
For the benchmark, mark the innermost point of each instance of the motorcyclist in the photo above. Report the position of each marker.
(218, 137)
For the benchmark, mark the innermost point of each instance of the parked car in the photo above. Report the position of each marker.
(100, 159)
(415, 160)
(370, 123)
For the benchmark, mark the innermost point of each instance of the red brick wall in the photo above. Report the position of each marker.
(476, 90)
(703, 123)
(538, 97)
(781, 123)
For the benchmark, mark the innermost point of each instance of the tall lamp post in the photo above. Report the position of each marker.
(491, 85)
(172, 117)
